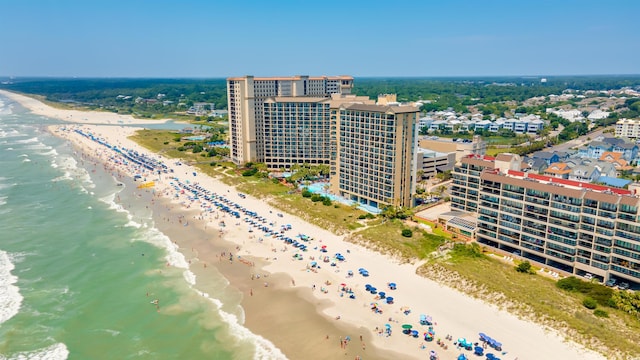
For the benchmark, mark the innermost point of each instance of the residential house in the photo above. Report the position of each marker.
(629, 151)
(548, 157)
(616, 159)
(536, 165)
(535, 126)
(558, 170)
(584, 173)
(596, 148)
(496, 125)
(483, 125)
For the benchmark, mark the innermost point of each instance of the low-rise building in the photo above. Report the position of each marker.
(461, 147)
(628, 128)
(431, 162)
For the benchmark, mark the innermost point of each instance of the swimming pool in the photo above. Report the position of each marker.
(320, 188)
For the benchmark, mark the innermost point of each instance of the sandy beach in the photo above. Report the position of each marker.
(304, 309)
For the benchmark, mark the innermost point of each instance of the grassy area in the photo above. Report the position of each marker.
(491, 151)
(435, 229)
(338, 218)
(386, 237)
(537, 298)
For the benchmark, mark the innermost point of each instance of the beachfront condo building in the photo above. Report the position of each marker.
(246, 96)
(374, 159)
(297, 129)
(568, 225)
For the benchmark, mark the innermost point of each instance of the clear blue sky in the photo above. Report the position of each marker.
(189, 38)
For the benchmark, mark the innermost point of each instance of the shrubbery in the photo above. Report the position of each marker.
(524, 267)
(627, 301)
(600, 313)
(407, 233)
(250, 172)
(600, 293)
(589, 303)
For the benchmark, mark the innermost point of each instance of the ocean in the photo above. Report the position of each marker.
(79, 272)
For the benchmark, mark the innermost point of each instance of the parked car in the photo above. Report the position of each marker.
(611, 282)
(588, 276)
(623, 286)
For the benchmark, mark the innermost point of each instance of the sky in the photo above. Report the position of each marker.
(214, 39)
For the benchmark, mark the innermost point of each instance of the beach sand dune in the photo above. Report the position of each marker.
(296, 305)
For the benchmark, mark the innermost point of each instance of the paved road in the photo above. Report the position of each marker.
(578, 141)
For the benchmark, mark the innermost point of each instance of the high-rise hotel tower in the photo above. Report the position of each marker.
(246, 96)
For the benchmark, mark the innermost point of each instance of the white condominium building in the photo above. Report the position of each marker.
(246, 96)
(628, 128)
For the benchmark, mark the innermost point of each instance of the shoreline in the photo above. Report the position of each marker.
(453, 312)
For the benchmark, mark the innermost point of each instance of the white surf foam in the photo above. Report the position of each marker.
(72, 172)
(10, 133)
(265, 349)
(28, 141)
(57, 351)
(110, 200)
(10, 297)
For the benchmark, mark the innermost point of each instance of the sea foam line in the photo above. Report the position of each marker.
(10, 297)
(57, 351)
(265, 350)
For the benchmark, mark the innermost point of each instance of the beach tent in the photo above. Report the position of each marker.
(478, 350)
(464, 343)
(406, 329)
(428, 336)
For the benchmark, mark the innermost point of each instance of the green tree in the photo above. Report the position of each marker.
(524, 267)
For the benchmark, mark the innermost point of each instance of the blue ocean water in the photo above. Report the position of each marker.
(79, 272)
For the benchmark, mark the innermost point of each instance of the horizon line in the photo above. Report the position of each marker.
(10, 77)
